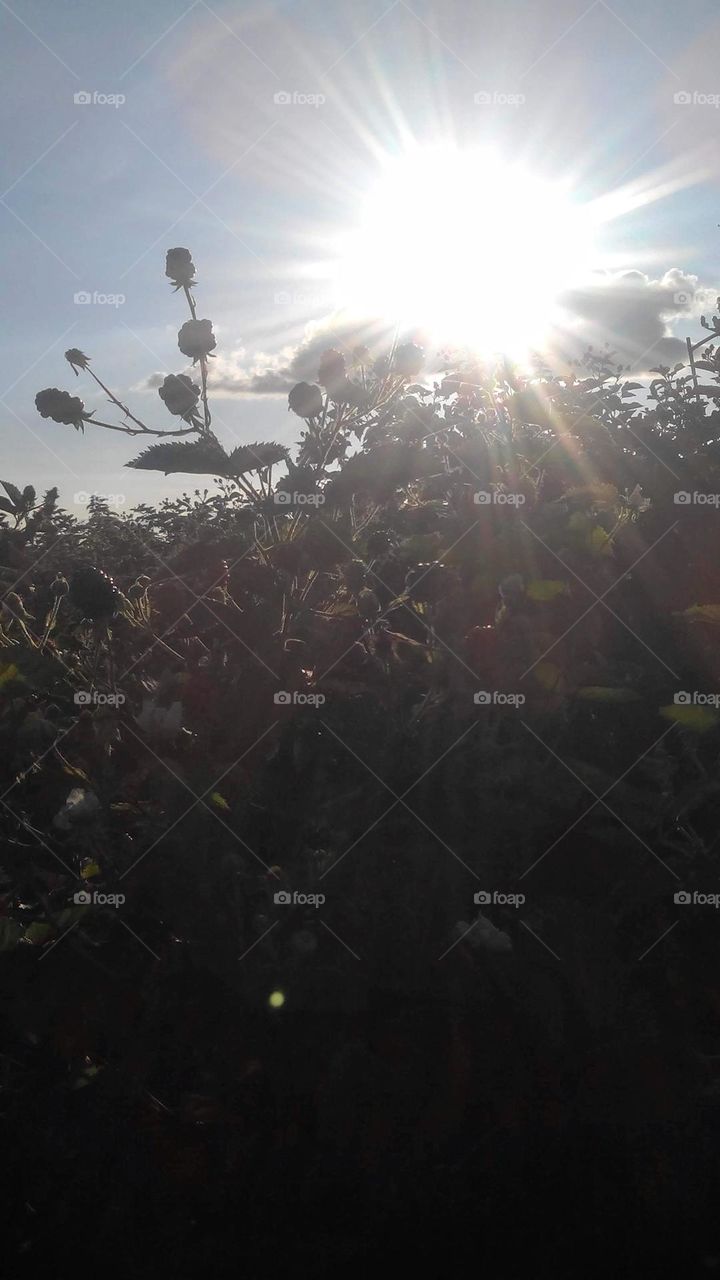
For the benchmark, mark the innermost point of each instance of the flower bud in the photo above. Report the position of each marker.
(331, 373)
(306, 400)
(93, 593)
(196, 339)
(408, 360)
(77, 359)
(180, 268)
(60, 406)
(368, 604)
(180, 395)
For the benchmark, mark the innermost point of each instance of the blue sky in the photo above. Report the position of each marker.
(201, 154)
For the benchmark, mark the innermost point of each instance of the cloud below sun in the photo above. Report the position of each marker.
(629, 313)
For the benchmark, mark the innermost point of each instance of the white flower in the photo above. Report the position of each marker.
(636, 500)
(80, 804)
(160, 722)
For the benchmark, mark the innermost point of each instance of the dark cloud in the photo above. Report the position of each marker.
(632, 314)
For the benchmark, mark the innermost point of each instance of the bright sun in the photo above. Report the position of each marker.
(469, 248)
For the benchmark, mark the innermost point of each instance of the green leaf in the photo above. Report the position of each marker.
(550, 677)
(8, 674)
(201, 457)
(13, 493)
(696, 719)
(544, 589)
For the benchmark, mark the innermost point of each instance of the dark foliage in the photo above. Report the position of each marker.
(446, 663)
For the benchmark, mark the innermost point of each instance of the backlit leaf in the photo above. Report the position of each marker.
(696, 719)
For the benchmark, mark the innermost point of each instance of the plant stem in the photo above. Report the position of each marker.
(203, 362)
(113, 398)
(146, 431)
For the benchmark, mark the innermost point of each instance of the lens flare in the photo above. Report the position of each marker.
(469, 248)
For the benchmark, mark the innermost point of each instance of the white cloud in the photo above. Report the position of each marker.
(629, 312)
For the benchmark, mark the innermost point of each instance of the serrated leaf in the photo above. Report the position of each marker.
(696, 719)
(28, 496)
(197, 458)
(12, 492)
(255, 457)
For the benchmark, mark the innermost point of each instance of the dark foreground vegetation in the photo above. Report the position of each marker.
(254, 1014)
